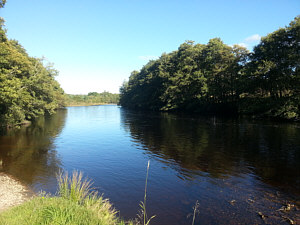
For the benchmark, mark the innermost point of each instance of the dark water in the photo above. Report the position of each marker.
(235, 168)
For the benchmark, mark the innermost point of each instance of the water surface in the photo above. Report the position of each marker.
(235, 168)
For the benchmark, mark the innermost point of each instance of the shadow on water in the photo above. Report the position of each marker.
(221, 147)
(28, 154)
(235, 168)
(256, 159)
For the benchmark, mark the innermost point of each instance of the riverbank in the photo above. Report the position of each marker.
(89, 104)
(76, 203)
(12, 192)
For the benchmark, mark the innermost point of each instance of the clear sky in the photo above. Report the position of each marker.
(95, 44)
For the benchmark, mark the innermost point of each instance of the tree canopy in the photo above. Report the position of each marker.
(215, 77)
(27, 85)
(2, 3)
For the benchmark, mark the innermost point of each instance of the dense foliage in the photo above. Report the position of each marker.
(27, 86)
(92, 98)
(219, 78)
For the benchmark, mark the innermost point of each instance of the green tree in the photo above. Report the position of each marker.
(219, 78)
(2, 3)
(274, 71)
(275, 61)
(186, 84)
(27, 87)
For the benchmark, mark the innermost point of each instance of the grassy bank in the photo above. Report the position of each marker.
(76, 203)
(57, 210)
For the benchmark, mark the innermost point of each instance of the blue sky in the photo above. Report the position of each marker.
(96, 44)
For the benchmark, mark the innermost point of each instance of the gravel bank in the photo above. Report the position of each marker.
(12, 192)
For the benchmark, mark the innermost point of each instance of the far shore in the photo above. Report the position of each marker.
(91, 104)
(12, 192)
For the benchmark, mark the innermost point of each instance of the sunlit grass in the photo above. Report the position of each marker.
(74, 188)
(76, 203)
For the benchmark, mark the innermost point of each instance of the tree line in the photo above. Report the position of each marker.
(27, 85)
(217, 78)
(92, 98)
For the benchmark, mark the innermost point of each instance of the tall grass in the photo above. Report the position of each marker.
(195, 211)
(143, 211)
(78, 190)
(74, 188)
(76, 203)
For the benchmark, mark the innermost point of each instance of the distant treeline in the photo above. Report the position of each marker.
(217, 78)
(27, 86)
(93, 98)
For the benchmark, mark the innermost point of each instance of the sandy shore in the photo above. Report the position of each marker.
(12, 192)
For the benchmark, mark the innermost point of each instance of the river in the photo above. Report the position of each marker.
(239, 170)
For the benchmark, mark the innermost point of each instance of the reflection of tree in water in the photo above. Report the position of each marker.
(220, 147)
(28, 153)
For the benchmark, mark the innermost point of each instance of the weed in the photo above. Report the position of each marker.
(143, 213)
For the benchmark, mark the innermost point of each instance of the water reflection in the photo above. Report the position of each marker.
(213, 160)
(220, 147)
(28, 153)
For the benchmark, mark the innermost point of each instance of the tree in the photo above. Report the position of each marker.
(2, 3)
(219, 78)
(186, 84)
(27, 87)
(275, 61)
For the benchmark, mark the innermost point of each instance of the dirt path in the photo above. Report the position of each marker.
(12, 192)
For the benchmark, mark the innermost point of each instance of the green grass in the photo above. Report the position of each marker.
(75, 204)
